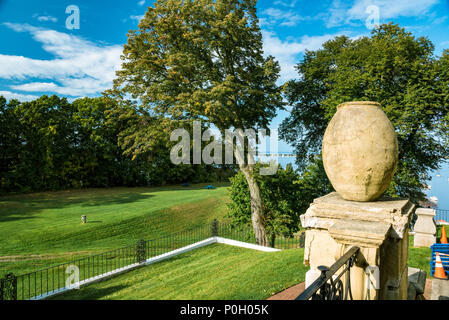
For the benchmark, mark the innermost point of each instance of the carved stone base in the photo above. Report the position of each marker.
(380, 229)
(425, 228)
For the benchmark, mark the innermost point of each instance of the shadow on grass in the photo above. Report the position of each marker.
(25, 206)
(12, 209)
(89, 293)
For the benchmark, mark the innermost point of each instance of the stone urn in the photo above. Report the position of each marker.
(360, 151)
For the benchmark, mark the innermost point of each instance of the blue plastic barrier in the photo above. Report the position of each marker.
(440, 248)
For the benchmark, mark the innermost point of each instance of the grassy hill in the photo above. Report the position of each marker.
(41, 229)
(213, 272)
(44, 229)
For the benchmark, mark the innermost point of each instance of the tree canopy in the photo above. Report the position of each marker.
(50, 144)
(391, 67)
(201, 59)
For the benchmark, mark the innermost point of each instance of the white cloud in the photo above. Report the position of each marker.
(290, 4)
(18, 96)
(440, 20)
(287, 52)
(342, 13)
(47, 18)
(141, 3)
(79, 67)
(280, 17)
(138, 18)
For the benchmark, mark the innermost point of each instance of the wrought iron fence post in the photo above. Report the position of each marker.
(141, 251)
(324, 290)
(8, 287)
(329, 286)
(214, 228)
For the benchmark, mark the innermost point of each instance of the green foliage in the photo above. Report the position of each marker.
(41, 136)
(10, 144)
(280, 197)
(391, 67)
(201, 59)
(313, 183)
(285, 196)
(51, 144)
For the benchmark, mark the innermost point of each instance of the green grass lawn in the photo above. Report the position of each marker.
(42, 229)
(213, 272)
(420, 257)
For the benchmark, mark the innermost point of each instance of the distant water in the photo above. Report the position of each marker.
(283, 161)
(439, 184)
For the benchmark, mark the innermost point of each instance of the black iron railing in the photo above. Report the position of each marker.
(442, 214)
(329, 286)
(38, 284)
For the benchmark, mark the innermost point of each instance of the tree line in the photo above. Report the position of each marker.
(51, 144)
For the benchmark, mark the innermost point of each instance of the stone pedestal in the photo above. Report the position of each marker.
(425, 228)
(379, 229)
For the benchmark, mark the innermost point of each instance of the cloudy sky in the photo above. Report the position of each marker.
(40, 53)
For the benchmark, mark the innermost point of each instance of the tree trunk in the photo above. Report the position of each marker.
(247, 168)
(257, 214)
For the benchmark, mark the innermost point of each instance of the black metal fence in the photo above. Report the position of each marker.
(51, 280)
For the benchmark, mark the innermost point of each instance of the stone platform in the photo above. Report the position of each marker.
(379, 228)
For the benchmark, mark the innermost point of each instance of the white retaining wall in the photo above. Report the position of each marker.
(155, 259)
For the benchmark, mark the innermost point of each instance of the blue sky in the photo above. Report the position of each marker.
(39, 55)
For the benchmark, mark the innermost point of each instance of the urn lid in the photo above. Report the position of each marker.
(359, 103)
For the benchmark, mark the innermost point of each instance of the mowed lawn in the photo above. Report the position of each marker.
(213, 272)
(41, 229)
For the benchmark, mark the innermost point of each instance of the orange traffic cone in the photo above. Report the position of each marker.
(439, 270)
(443, 238)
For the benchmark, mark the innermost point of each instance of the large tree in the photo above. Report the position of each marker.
(391, 67)
(203, 59)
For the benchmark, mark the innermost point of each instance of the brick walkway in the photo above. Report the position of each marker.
(294, 291)
(290, 293)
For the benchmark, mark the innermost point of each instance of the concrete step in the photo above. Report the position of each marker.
(440, 289)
